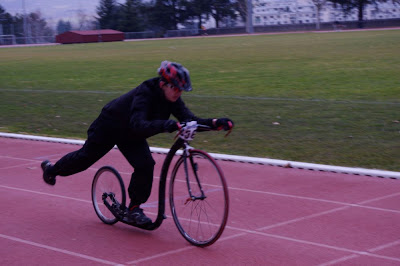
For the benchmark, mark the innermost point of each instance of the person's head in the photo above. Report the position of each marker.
(174, 78)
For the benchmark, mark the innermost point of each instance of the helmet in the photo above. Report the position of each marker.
(175, 74)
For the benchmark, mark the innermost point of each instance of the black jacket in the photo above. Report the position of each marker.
(143, 111)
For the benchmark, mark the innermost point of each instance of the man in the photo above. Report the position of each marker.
(127, 122)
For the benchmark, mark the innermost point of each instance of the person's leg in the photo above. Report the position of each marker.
(139, 156)
(80, 160)
(99, 142)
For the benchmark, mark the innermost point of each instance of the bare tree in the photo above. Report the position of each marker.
(221, 9)
(84, 22)
(319, 4)
(360, 5)
(241, 7)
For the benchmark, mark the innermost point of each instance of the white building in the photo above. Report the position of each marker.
(280, 12)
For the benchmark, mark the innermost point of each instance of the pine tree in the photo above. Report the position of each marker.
(107, 13)
(63, 26)
(130, 16)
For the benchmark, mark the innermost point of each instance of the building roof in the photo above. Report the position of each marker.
(95, 32)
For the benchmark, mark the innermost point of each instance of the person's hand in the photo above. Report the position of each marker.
(171, 126)
(223, 123)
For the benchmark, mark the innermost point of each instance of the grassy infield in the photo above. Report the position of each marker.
(335, 96)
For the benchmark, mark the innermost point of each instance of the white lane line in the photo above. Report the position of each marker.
(378, 248)
(160, 255)
(253, 231)
(388, 245)
(302, 218)
(342, 259)
(71, 253)
(50, 156)
(45, 194)
(380, 198)
(17, 158)
(356, 252)
(235, 158)
(360, 205)
(230, 188)
(163, 254)
(17, 166)
(336, 210)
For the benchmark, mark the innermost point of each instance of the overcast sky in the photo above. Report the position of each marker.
(52, 10)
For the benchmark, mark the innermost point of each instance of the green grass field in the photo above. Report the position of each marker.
(330, 98)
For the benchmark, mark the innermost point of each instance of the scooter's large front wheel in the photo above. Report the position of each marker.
(107, 187)
(199, 198)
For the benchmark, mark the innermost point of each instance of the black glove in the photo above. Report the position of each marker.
(224, 123)
(171, 126)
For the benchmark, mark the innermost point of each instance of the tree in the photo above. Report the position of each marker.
(6, 22)
(245, 9)
(131, 18)
(349, 5)
(107, 13)
(319, 4)
(167, 14)
(32, 27)
(38, 27)
(221, 9)
(36, 30)
(199, 10)
(84, 21)
(63, 26)
(241, 7)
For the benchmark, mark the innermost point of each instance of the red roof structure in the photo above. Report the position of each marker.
(90, 36)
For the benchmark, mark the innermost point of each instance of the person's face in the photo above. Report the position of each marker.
(171, 93)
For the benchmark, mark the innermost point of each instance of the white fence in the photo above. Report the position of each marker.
(12, 40)
(7, 40)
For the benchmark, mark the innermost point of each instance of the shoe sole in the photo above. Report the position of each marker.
(44, 164)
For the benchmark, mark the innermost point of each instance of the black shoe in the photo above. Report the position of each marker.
(49, 179)
(137, 217)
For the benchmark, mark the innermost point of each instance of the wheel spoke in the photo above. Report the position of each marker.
(201, 220)
(107, 181)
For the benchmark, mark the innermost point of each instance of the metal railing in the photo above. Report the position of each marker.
(139, 35)
(181, 33)
(7, 40)
(13, 40)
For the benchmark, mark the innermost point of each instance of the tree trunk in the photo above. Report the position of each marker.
(216, 21)
(200, 23)
(360, 14)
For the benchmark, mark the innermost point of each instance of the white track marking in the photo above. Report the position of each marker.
(346, 258)
(71, 253)
(388, 245)
(256, 232)
(161, 255)
(180, 250)
(45, 194)
(234, 158)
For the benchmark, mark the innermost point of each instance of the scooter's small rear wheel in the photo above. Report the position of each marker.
(107, 186)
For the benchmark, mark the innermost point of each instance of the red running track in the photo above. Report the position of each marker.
(278, 216)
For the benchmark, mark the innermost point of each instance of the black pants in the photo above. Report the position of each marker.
(101, 139)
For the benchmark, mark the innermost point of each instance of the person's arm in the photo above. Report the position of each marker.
(183, 114)
(139, 114)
